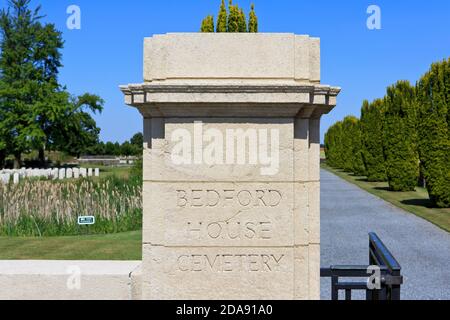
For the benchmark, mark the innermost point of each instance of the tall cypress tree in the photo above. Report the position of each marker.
(434, 131)
(400, 137)
(351, 146)
(208, 24)
(253, 20)
(333, 145)
(372, 140)
(242, 21)
(222, 18)
(233, 18)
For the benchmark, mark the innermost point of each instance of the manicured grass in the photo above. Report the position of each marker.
(416, 202)
(121, 246)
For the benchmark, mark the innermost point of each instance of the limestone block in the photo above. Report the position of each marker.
(66, 280)
(222, 214)
(314, 212)
(301, 283)
(258, 150)
(314, 271)
(217, 273)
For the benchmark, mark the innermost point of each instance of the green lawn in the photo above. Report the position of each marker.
(416, 202)
(122, 246)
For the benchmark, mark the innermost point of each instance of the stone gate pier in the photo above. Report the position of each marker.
(231, 166)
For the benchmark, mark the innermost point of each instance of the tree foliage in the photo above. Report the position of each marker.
(253, 21)
(433, 92)
(231, 20)
(222, 18)
(36, 112)
(208, 24)
(372, 140)
(400, 137)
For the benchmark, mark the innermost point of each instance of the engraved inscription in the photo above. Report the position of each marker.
(210, 198)
(248, 230)
(223, 263)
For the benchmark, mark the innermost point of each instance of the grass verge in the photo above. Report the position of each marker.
(121, 246)
(417, 202)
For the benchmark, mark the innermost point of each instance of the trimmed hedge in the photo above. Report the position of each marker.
(400, 137)
(372, 140)
(433, 92)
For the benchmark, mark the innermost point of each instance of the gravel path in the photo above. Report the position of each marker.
(422, 249)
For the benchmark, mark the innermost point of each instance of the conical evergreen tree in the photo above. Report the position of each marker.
(208, 24)
(400, 137)
(372, 140)
(253, 20)
(434, 131)
(242, 21)
(233, 18)
(222, 18)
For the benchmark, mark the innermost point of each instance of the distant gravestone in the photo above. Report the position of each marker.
(76, 173)
(62, 174)
(83, 172)
(97, 172)
(16, 178)
(69, 173)
(90, 172)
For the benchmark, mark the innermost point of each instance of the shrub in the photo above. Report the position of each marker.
(434, 131)
(400, 137)
(372, 140)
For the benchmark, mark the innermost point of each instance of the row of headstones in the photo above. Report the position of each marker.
(50, 174)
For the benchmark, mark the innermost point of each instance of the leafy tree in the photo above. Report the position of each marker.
(433, 91)
(19, 28)
(75, 131)
(138, 140)
(372, 140)
(253, 20)
(400, 137)
(208, 24)
(34, 107)
(222, 18)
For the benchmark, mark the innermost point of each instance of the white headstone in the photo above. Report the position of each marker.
(16, 178)
(97, 172)
(83, 172)
(69, 173)
(76, 173)
(62, 174)
(90, 172)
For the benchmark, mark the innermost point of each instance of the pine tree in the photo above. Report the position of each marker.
(253, 20)
(400, 137)
(434, 131)
(372, 140)
(222, 18)
(233, 18)
(208, 24)
(242, 21)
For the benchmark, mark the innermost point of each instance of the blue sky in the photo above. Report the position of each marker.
(107, 51)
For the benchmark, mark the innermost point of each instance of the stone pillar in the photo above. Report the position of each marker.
(231, 166)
